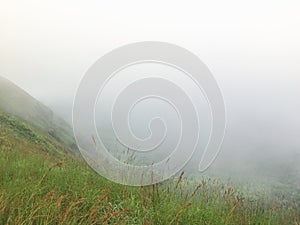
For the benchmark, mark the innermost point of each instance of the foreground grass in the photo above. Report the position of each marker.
(37, 187)
(35, 190)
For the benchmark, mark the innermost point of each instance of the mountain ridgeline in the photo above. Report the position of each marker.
(18, 103)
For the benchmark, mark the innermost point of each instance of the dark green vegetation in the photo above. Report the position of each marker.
(41, 184)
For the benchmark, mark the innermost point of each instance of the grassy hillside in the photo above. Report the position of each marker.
(40, 183)
(16, 101)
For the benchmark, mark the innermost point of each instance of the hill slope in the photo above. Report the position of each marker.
(19, 103)
(40, 183)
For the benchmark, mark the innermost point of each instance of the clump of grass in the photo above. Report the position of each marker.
(21, 129)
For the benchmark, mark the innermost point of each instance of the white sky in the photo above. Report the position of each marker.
(46, 46)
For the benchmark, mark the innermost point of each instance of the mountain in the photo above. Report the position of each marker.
(17, 102)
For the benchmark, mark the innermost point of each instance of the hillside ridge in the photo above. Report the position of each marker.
(17, 102)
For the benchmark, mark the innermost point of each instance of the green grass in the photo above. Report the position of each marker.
(49, 187)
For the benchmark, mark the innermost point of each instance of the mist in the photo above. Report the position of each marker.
(252, 49)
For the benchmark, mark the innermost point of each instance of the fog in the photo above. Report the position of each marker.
(251, 48)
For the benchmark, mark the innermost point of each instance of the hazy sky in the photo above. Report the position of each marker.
(251, 47)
